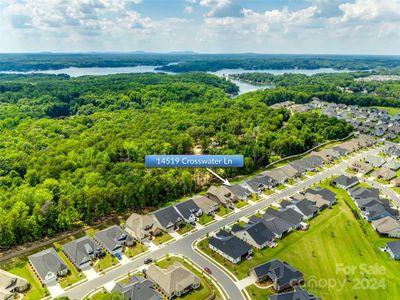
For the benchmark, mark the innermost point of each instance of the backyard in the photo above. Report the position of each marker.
(336, 242)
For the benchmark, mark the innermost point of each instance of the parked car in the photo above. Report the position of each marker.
(118, 256)
(148, 260)
(207, 269)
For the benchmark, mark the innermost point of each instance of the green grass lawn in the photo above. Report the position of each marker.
(280, 187)
(105, 262)
(257, 293)
(185, 228)
(291, 181)
(73, 276)
(20, 267)
(137, 249)
(223, 211)
(336, 238)
(239, 204)
(162, 238)
(205, 219)
(206, 289)
(311, 173)
(268, 192)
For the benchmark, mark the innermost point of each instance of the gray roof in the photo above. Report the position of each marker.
(289, 215)
(167, 216)
(362, 192)
(324, 193)
(394, 247)
(276, 174)
(340, 150)
(281, 270)
(297, 294)
(258, 231)
(345, 180)
(266, 180)
(187, 208)
(112, 238)
(47, 261)
(277, 225)
(138, 288)
(79, 251)
(379, 209)
(239, 191)
(306, 207)
(375, 161)
(255, 184)
(392, 164)
(229, 244)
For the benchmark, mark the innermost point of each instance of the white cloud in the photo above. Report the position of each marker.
(188, 10)
(369, 10)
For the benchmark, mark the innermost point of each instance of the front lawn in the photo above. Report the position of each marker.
(280, 187)
(135, 250)
(311, 173)
(162, 238)
(105, 262)
(223, 211)
(337, 238)
(239, 204)
(73, 276)
(185, 228)
(268, 192)
(206, 289)
(205, 219)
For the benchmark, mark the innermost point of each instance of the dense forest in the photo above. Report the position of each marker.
(192, 62)
(331, 87)
(72, 149)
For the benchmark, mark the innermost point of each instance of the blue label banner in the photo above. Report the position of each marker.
(194, 161)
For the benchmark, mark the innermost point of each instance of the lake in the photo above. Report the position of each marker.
(243, 86)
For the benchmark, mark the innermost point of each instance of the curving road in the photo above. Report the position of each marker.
(184, 245)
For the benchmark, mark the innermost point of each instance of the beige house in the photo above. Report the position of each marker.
(221, 195)
(207, 205)
(387, 226)
(141, 227)
(361, 167)
(174, 281)
(396, 182)
(385, 174)
(11, 284)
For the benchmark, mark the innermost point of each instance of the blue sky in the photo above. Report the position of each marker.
(210, 26)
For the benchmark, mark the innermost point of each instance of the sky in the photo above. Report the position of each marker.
(206, 26)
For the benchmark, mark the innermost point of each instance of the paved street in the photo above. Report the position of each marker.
(184, 245)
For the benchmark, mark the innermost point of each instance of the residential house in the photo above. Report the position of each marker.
(304, 207)
(394, 249)
(396, 182)
(327, 196)
(221, 195)
(393, 150)
(375, 161)
(82, 252)
(11, 284)
(207, 205)
(175, 281)
(361, 167)
(239, 191)
(113, 239)
(229, 246)
(48, 266)
(290, 171)
(141, 227)
(256, 234)
(385, 174)
(375, 211)
(168, 218)
(254, 185)
(393, 165)
(278, 226)
(267, 181)
(395, 129)
(296, 294)
(289, 215)
(342, 151)
(279, 176)
(282, 275)
(363, 193)
(138, 288)
(387, 226)
(188, 210)
(345, 182)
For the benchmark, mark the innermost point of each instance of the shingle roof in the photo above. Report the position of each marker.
(138, 288)
(167, 216)
(394, 247)
(325, 193)
(229, 244)
(259, 232)
(277, 225)
(79, 251)
(289, 215)
(362, 192)
(297, 294)
(187, 208)
(139, 224)
(239, 191)
(306, 207)
(281, 270)
(47, 261)
(386, 224)
(112, 238)
(345, 180)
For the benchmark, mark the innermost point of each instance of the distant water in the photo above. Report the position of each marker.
(243, 86)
